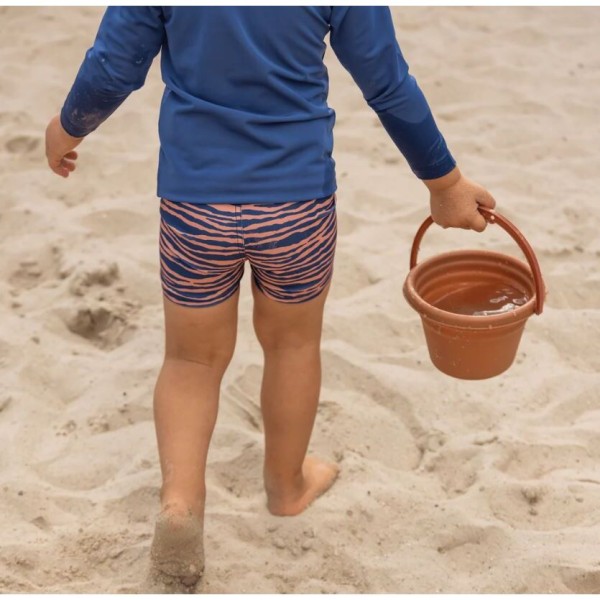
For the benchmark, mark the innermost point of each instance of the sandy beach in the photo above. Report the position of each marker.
(446, 485)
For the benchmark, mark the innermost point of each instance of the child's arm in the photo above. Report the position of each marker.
(59, 148)
(364, 40)
(128, 39)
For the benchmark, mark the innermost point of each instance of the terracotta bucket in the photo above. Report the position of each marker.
(467, 338)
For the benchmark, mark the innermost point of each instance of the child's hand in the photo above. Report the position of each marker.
(59, 148)
(455, 200)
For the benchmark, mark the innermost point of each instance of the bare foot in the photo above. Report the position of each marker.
(318, 477)
(177, 550)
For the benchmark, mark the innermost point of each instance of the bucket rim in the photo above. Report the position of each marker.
(445, 317)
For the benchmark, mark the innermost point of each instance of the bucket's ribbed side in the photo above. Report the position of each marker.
(472, 353)
(468, 346)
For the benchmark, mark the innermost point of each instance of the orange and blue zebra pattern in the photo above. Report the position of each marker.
(203, 248)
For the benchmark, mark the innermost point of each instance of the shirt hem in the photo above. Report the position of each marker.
(228, 198)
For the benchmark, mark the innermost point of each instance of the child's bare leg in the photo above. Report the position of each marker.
(290, 335)
(199, 346)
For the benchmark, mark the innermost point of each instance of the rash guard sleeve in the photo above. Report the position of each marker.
(128, 39)
(364, 40)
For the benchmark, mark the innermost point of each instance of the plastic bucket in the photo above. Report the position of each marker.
(440, 289)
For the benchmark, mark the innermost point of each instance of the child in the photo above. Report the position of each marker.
(246, 173)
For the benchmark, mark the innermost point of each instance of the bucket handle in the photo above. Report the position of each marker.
(493, 217)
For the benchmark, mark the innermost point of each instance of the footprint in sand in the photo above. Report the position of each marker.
(137, 505)
(241, 475)
(5, 402)
(22, 144)
(84, 277)
(456, 468)
(524, 461)
(39, 267)
(105, 318)
(579, 580)
(127, 414)
(106, 326)
(490, 541)
(28, 275)
(41, 523)
(536, 506)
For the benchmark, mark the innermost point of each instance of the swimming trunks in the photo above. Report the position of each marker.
(203, 248)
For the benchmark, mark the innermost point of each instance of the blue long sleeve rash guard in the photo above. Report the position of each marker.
(244, 114)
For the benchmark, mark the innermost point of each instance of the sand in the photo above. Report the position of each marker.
(445, 485)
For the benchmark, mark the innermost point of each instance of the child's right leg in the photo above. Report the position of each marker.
(290, 335)
(291, 248)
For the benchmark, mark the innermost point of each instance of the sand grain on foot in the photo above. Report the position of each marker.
(177, 551)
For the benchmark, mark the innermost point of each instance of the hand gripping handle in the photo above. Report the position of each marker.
(493, 217)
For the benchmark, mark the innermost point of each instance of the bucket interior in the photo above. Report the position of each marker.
(474, 283)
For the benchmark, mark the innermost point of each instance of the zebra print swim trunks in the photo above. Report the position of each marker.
(203, 248)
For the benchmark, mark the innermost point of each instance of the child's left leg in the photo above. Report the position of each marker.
(199, 346)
